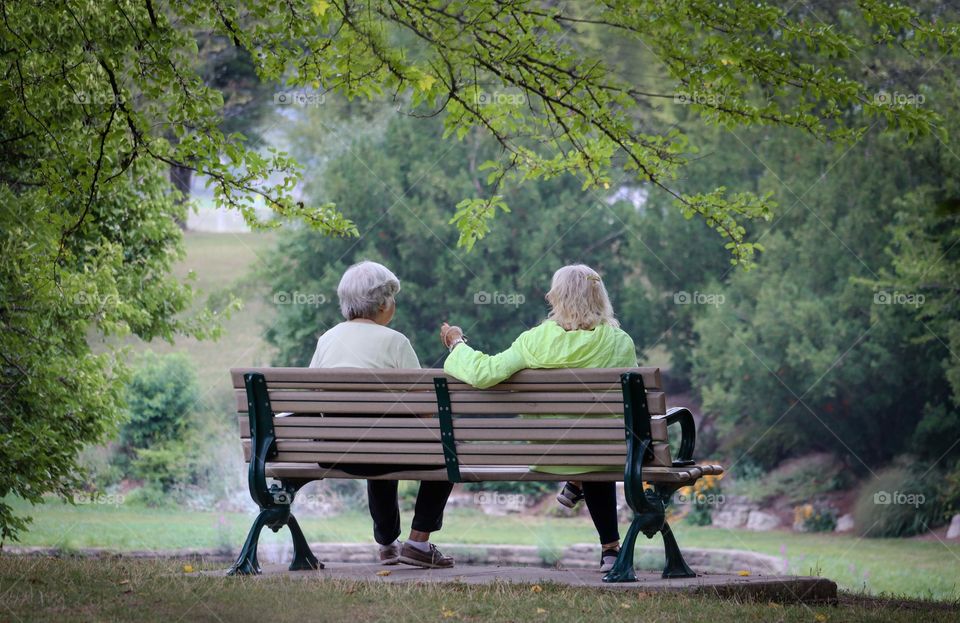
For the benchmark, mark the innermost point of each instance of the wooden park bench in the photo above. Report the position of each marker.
(303, 424)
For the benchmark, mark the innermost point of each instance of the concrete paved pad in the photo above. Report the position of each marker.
(781, 588)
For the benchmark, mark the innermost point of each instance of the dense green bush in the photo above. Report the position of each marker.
(100, 467)
(167, 464)
(814, 518)
(899, 501)
(353, 493)
(163, 444)
(160, 396)
(937, 433)
(695, 503)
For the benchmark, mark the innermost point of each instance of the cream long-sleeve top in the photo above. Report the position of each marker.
(359, 344)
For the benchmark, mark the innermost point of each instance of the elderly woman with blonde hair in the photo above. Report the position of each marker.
(580, 331)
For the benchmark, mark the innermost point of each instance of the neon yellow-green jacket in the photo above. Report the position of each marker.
(546, 346)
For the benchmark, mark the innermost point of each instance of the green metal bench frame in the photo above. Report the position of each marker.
(648, 504)
(274, 502)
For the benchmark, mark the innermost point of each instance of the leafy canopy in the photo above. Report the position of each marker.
(96, 87)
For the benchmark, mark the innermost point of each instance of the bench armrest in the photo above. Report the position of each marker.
(688, 433)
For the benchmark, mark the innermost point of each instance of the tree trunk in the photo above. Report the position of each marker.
(181, 178)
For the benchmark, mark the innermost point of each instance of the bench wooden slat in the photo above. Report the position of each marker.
(400, 408)
(456, 397)
(463, 449)
(428, 385)
(358, 378)
(431, 421)
(467, 429)
(484, 473)
(334, 458)
(437, 459)
(433, 434)
(657, 407)
(656, 403)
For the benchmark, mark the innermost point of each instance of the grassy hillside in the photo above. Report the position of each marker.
(222, 263)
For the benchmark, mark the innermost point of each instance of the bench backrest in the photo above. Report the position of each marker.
(388, 417)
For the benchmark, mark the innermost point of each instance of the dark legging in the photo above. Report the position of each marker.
(385, 511)
(601, 499)
(383, 504)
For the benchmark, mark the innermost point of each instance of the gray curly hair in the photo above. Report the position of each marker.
(365, 289)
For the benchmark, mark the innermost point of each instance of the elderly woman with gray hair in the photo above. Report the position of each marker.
(579, 332)
(367, 294)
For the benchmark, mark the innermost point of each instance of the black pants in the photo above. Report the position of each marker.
(385, 510)
(601, 499)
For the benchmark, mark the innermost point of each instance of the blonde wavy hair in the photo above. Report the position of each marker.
(579, 300)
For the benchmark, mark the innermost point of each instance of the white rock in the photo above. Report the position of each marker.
(953, 532)
(762, 521)
(730, 517)
(844, 523)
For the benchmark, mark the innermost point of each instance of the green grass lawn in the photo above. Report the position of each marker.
(45, 588)
(908, 567)
(221, 259)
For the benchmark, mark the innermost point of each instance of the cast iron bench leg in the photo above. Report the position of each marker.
(676, 566)
(623, 569)
(274, 518)
(303, 558)
(247, 563)
(649, 523)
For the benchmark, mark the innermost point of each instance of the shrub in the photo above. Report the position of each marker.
(897, 502)
(950, 491)
(700, 499)
(102, 471)
(160, 397)
(160, 444)
(407, 491)
(351, 493)
(150, 495)
(749, 471)
(166, 465)
(797, 480)
(814, 518)
(936, 434)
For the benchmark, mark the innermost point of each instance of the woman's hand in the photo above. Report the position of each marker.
(450, 334)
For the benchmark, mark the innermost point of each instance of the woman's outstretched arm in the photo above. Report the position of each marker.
(481, 370)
